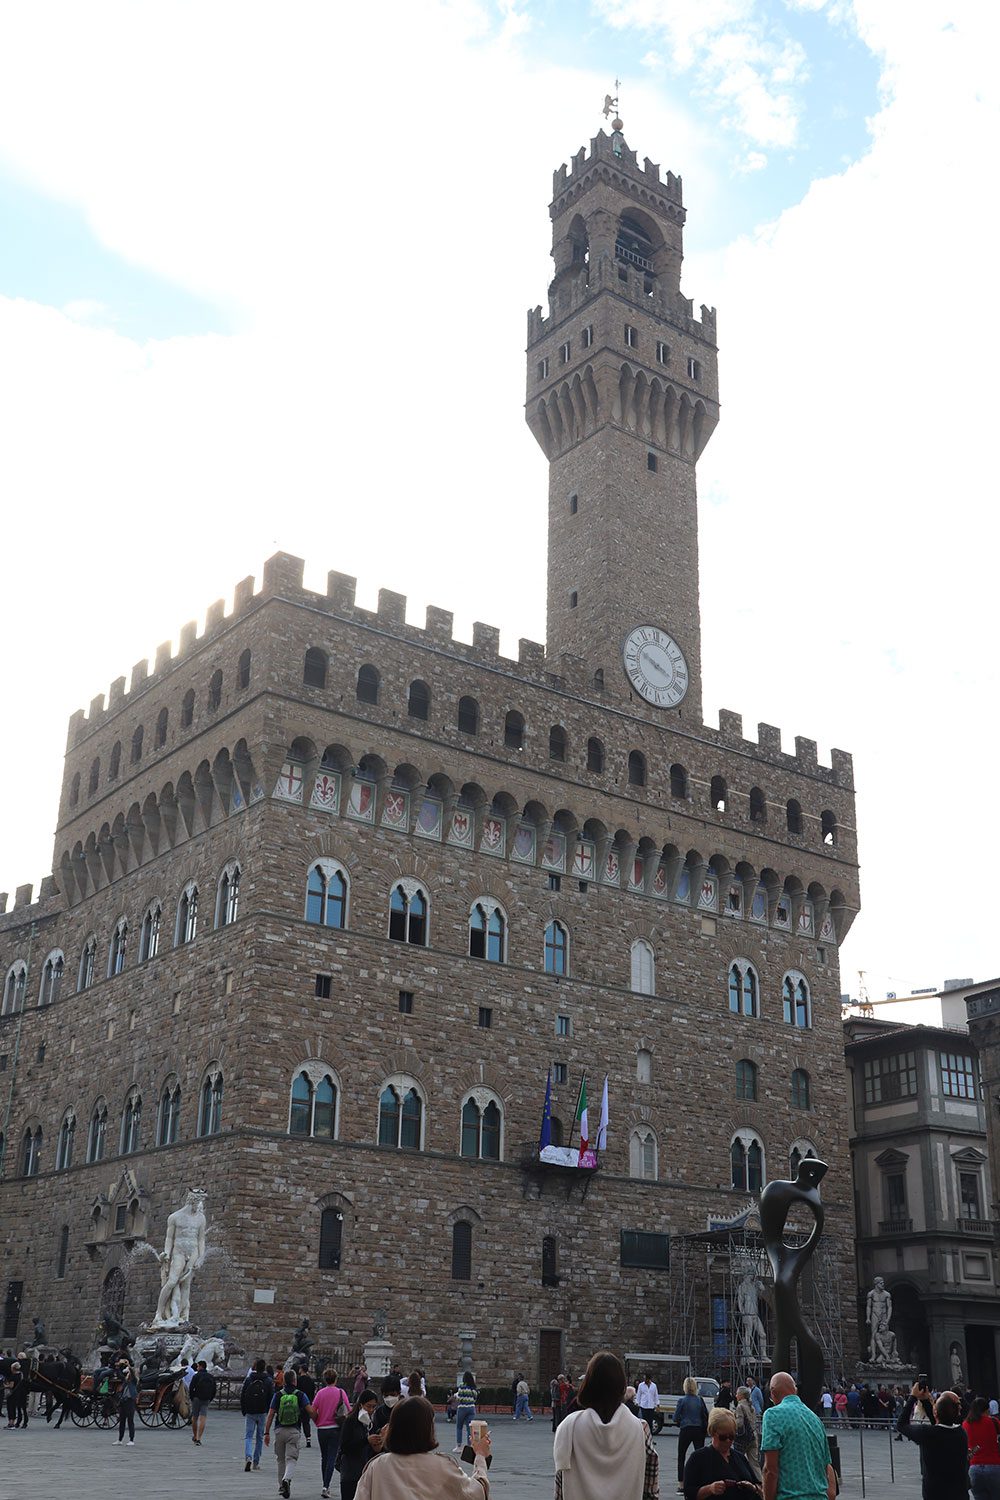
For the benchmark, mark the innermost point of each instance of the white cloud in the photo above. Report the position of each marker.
(368, 198)
(742, 63)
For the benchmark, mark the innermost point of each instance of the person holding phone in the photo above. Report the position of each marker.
(411, 1467)
(944, 1447)
(719, 1469)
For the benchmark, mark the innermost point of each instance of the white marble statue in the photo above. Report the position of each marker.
(188, 1352)
(878, 1313)
(183, 1251)
(754, 1333)
(213, 1352)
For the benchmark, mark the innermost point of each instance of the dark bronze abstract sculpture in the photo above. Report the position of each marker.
(788, 1262)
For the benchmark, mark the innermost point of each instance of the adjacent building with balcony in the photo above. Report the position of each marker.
(923, 1194)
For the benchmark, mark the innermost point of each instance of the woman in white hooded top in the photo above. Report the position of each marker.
(602, 1449)
(411, 1467)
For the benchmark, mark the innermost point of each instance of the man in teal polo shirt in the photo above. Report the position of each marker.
(794, 1447)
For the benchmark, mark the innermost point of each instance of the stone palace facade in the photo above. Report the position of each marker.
(332, 892)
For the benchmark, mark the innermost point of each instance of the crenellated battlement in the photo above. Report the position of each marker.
(603, 152)
(605, 274)
(283, 577)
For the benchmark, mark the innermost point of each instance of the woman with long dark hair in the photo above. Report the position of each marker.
(411, 1467)
(602, 1449)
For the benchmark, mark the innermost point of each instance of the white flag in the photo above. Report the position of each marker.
(602, 1129)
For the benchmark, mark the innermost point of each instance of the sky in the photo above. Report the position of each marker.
(263, 279)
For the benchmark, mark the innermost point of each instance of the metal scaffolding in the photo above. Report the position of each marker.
(721, 1300)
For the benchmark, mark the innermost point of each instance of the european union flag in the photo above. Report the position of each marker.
(545, 1139)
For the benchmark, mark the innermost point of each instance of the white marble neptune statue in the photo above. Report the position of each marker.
(183, 1251)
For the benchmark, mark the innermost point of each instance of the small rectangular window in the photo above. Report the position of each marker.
(559, 1073)
(631, 337)
(3, 1062)
(694, 369)
(562, 1026)
(406, 1002)
(543, 368)
(651, 463)
(651, 1251)
(323, 986)
(662, 353)
(573, 505)
(40, 1054)
(573, 597)
(554, 882)
(587, 337)
(485, 1017)
(564, 350)
(584, 886)
(121, 1218)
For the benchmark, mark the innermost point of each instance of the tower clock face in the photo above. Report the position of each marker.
(655, 666)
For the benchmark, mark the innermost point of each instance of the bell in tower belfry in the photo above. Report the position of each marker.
(622, 396)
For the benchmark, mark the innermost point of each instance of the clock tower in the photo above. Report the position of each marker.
(622, 396)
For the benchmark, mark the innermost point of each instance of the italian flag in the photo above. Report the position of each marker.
(581, 1117)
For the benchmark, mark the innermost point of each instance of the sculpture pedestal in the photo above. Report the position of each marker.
(378, 1358)
(885, 1374)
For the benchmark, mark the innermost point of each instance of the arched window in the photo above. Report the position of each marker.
(63, 1253)
(828, 827)
(636, 768)
(314, 668)
(557, 742)
(800, 1089)
(228, 903)
(482, 1126)
(747, 1158)
(800, 1151)
(131, 1122)
(118, 949)
(408, 911)
(644, 1065)
(160, 737)
(642, 1153)
(556, 949)
(149, 933)
(599, 680)
(468, 716)
(746, 1080)
(487, 932)
(88, 960)
(210, 1104)
(136, 753)
(550, 1261)
(718, 794)
(678, 781)
(326, 894)
(558, 1135)
(74, 790)
(513, 730)
(94, 779)
(115, 764)
(595, 756)
(31, 1151)
(64, 1145)
(187, 709)
(331, 1239)
(215, 691)
(744, 988)
(418, 705)
(52, 975)
(461, 1251)
(313, 1106)
(187, 916)
(795, 1001)
(643, 968)
(98, 1132)
(758, 806)
(793, 813)
(243, 670)
(169, 1115)
(401, 1115)
(368, 684)
(14, 987)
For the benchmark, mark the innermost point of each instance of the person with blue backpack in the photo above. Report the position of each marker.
(288, 1407)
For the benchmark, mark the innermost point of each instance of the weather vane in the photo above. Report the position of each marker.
(611, 103)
